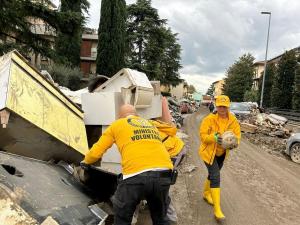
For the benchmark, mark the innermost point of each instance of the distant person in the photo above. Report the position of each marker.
(212, 152)
(211, 106)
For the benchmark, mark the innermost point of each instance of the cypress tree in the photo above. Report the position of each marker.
(68, 40)
(111, 33)
(282, 90)
(152, 47)
(296, 93)
(270, 74)
(239, 78)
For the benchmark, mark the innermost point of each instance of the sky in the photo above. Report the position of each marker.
(215, 33)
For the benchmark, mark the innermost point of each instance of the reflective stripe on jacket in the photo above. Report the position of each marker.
(207, 130)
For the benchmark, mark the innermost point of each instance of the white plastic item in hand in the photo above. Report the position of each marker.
(229, 140)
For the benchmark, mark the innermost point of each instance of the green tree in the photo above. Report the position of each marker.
(250, 96)
(276, 94)
(111, 32)
(66, 76)
(282, 90)
(191, 89)
(239, 78)
(170, 60)
(68, 40)
(151, 47)
(16, 29)
(296, 93)
(270, 74)
(211, 90)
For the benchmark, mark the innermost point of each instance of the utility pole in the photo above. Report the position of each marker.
(266, 56)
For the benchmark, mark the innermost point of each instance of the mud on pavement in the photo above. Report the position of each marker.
(257, 188)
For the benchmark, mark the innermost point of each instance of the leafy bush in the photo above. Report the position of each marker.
(66, 76)
(251, 96)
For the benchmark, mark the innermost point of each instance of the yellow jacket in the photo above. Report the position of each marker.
(208, 128)
(138, 142)
(167, 133)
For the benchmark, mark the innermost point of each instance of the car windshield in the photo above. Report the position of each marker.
(239, 106)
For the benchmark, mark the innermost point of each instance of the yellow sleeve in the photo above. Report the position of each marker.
(204, 132)
(100, 147)
(166, 128)
(237, 130)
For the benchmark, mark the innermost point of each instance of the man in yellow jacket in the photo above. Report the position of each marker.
(146, 166)
(212, 152)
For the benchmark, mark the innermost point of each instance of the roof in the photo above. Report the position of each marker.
(279, 56)
(259, 62)
(90, 36)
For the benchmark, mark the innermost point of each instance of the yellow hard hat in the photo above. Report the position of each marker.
(222, 100)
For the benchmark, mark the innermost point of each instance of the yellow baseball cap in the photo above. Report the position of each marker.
(222, 100)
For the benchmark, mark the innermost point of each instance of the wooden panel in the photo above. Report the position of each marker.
(86, 47)
(4, 75)
(56, 118)
(25, 97)
(46, 84)
(36, 104)
(85, 68)
(78, 138)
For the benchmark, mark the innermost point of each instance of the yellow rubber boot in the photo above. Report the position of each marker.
(206, 192)
(216, 196)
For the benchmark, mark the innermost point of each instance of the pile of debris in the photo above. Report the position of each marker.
(269, 131)
(174, 107)
(272, 145)
(263, 123)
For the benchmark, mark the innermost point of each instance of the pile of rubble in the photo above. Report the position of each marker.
(268, 124)
(269, 131)
(174, 107)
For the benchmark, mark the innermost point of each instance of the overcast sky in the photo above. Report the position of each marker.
(214, 33)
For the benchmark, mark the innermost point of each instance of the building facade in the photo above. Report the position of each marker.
(88, 52)
(218, 87)
(259, 67)
(258, 72)
(179, 91)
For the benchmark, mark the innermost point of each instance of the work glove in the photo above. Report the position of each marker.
(84, 166)
(218, 138)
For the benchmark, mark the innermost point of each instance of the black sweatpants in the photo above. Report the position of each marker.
(214, 171)
(147, 186)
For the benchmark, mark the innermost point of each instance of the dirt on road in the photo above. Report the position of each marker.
(257, 188)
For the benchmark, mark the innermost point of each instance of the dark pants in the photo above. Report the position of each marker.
(214, 171)
(148, 186)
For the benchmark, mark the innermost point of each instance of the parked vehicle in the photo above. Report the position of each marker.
(240, 109)
(293, 147)
(185, 106)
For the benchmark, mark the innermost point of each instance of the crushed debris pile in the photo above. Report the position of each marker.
(269, 131)
(174, 107)
(272, 145)
(268, 124)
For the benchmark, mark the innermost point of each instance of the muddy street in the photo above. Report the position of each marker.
(256, 187)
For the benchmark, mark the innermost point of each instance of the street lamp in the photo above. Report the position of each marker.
(264, 76)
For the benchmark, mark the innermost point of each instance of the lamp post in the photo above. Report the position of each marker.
(264, 76)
